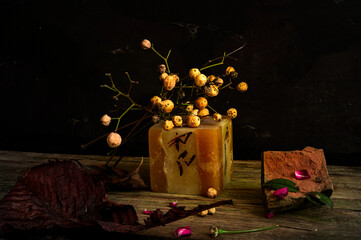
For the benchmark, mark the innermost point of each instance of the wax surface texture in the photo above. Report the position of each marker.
(191, 160)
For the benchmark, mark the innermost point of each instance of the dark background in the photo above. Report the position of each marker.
(302, 63)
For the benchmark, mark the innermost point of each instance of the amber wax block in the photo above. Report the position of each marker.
(188, 160)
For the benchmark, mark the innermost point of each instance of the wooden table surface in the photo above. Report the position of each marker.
(247, 212)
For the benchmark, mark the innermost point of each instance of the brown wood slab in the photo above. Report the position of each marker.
(319, 222)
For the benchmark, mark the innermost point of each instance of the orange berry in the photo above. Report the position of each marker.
(201, 102)
(242, 86)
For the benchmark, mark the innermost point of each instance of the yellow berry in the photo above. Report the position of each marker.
(242, 86)
(114, 140)
(211, 78)
(146, 44)
(189, 108)
(193, 121)
(155, 101)
(201, 102)
(211, 90)
(176, 77)
(212, 193)
(195, 111)
(203, 112)
(229, 70)
(217, 117)
(163, 76)
(200, 80)
(232, 113)
(178, 121)
(203, 213)
(166, 106)
(218, 82)
(168, 125)
(211, 211)
(169, 82)
(193, 73)
(105, 120)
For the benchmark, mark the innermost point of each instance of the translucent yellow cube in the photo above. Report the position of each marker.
(191, 160)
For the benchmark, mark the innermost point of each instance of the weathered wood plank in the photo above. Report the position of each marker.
(341, 222)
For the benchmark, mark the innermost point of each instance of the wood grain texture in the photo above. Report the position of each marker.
(247, 212)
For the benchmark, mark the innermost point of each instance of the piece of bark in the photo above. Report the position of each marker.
(283, 164)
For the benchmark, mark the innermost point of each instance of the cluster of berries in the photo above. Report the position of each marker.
(194, 111)
(170, 105)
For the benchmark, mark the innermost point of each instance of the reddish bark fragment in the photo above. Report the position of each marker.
(283, 164)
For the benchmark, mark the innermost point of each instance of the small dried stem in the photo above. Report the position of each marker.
(103, 136)
(123, 115)
(164, 58)
(223, 57)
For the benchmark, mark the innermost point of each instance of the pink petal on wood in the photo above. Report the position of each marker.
(183, 231)
(148, 212)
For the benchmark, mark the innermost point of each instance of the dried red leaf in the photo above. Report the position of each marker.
(117, 178)
(62, 194)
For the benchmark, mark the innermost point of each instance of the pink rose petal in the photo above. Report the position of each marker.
(183, 231)
(270, 214)
(281, 193)
(147, 212)
(172, 204)
(302, 174)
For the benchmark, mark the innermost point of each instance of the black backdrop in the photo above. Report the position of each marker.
(302, 63)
